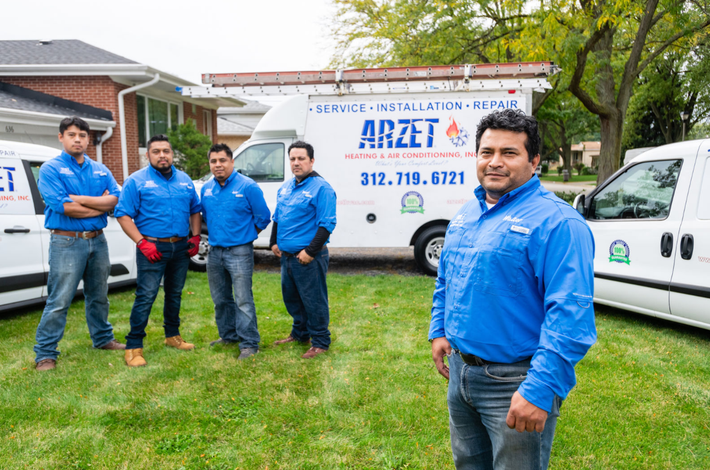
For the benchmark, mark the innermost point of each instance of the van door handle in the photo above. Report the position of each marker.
(666, 244)
(17, 229)
(686, 246)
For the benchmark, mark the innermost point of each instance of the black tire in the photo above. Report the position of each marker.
(427, 248)
(199, 261)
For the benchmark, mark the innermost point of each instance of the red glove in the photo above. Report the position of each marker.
(150, 250)
(193, 246)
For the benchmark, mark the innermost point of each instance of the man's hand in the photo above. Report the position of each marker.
(150, 250)
(276, 251)
(193, 246)
(524, 416)
(303, 257)
(439, 348)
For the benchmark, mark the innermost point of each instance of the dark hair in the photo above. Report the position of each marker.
(299, 144)
(514, 120)
(216, 148)
(159, 138)
(73, 121)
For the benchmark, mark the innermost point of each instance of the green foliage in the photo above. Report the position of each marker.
(587, 170)
(545, 168)
(560, 168)
(579, 167)
(190, 147)
(567, 196)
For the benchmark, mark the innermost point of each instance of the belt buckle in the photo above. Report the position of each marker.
(85, 235)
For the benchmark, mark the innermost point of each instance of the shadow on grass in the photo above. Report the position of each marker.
(652, 322)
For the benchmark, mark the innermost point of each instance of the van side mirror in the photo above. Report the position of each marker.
(579, 204)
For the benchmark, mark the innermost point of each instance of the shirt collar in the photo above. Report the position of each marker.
(532, 184)
(69, 159)
(312, 173)
(156, 172)
(229, 179)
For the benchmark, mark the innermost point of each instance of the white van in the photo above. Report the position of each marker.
(651, 226)
(24, 242)
(400, 156)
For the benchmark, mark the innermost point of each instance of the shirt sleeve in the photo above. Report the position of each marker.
(325, 208)
(565, 263)
(52, 189)
(129, 201)
(112, 186)
(261, 212)
(204, 208)
(438, 309)
(195, 204)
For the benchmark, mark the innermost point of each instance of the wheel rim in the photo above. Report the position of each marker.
(433, 250)
(201, 256)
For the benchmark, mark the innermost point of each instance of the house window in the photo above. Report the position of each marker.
(155, 117)
(207, 122)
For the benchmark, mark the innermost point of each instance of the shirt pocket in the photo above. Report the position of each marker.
(499, 264)
(98, 183)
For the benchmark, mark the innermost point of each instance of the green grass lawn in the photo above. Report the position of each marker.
(374, 401)
(572, 179)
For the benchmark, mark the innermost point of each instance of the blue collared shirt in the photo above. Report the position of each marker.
(160, 207)
(301, 209)
(234, 211)
(516, 281)
(62, 176)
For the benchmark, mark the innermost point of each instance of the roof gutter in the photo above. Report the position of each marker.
(107, 135)
(122, 120)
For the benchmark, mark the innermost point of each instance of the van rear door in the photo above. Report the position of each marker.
(635, 219)
(690, 285)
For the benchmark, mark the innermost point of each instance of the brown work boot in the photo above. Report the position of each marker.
(290, 339)
(113, 345)
(179, 343)
(46, 364)
(313, 352)
(134, 358)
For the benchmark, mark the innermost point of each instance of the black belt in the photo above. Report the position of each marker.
(288, 255)
(472, 360)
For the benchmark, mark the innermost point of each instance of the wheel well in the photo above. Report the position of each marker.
(432, 223)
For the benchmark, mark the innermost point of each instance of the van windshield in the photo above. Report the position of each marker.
(262, 162)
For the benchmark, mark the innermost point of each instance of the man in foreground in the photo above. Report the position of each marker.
(235, 211)
(158, 208)
(303, 221)
(512, 307)
(77, 192)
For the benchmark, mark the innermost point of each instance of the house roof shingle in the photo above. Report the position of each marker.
(14, 97)
(57, 52)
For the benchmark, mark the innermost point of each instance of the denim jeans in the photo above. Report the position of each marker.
(72, 259)
(305, 295)
(230, 269)
(479, 400)
(173, 266)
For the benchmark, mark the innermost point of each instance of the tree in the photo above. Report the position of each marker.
(191, 148)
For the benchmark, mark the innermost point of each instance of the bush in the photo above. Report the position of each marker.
(589, 171)
(567, 196)
(545, 168)
(190, 147)
(560, 168)
(579, 167)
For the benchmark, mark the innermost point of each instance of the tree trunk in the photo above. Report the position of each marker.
(610, 152)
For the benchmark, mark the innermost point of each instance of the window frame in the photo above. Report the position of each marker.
(180, 116)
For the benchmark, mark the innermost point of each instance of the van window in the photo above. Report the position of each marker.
(704, 202)
(644, 191)
(262, 162)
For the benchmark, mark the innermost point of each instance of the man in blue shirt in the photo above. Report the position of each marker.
(77, 192)
(303, 221)
(512, 307)
(158, 209)
(235, 211)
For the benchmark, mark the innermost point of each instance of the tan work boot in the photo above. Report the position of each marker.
(134, 358)
(179, 343)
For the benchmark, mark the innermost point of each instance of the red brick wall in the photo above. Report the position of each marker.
(199, 117)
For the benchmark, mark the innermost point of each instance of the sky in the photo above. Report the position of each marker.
(186, 38)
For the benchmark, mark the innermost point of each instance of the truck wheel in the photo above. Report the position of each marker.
(199, 261)
(427, 249)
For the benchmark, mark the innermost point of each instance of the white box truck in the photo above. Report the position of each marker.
(397, 145)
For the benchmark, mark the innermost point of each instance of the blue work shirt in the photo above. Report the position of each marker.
(234, 211)
(516, 281)
(62, 176)
(300, 209)
(159, 207)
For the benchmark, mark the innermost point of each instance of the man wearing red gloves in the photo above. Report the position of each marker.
(157, 209)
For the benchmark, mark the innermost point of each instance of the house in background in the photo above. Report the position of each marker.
(236, 124)
(587, 153)
(113, 93)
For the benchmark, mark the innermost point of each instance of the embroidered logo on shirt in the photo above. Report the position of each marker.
(101, 173)
(208, 192)
(512, 219)
(519, 229)
(66, 171)
(150, 184)
(237, 194)
(307, 194)
(458, 221)
(189, 186)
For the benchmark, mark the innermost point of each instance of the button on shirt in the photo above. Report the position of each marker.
(301, 209)
(159, 207)
(234, 211)
(516, 281)
(62, 176)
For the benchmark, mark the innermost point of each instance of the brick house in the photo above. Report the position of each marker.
(235, 125)
(76, 77)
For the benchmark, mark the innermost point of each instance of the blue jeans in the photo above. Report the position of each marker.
(231, 269)
(305, 295)
(173, 267)
(71, 260)
(479, 400)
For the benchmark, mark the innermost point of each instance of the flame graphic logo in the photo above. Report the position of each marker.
(456, 134)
